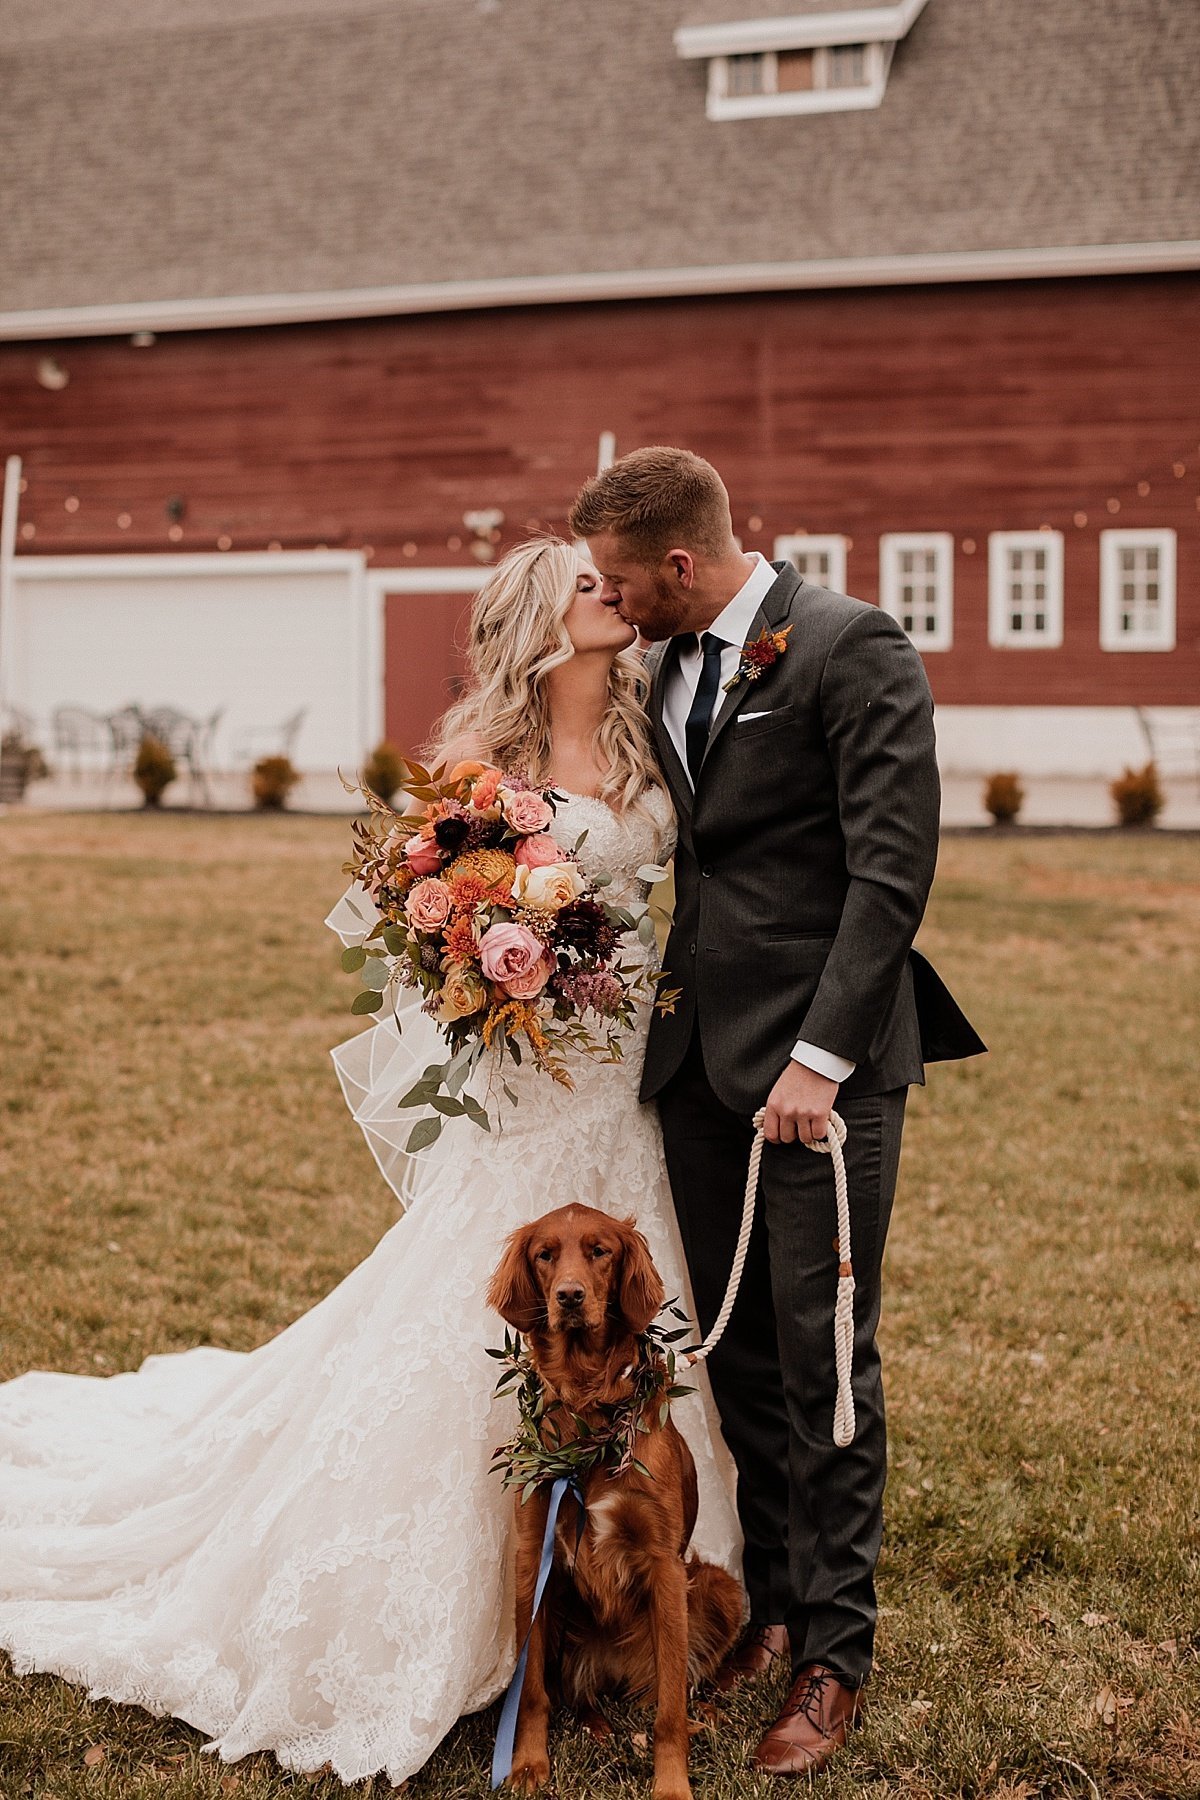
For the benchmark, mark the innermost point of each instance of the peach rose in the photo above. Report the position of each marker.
(462, 771)
(462, 994)
(483, 794)
(428, 905)
(537, 852)
(510, 953)
(548, 887)
(422, 854)
(526, 812)
(528, 987)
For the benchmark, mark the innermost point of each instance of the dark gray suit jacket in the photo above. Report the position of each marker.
(805, 859)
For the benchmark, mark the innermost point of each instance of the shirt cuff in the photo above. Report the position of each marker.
(824, 1062)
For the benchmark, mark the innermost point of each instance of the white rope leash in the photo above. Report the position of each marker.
(843, 1315)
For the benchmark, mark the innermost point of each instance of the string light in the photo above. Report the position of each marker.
(175, 532)
(1114, 505)
(754, 523)
(275, 545)
(71, 503)
(1081, 519)
(28, 529)
(410, 549)
(1143, 488)
(124, 521)
(224, 542)
(968, 546)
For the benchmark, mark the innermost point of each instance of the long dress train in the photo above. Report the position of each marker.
(301, 1549)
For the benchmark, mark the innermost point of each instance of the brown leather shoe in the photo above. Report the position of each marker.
(756, 1651)
(816, 1716)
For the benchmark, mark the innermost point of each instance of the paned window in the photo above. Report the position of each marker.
(1137, 590)
(821, 560)
(916, 585)
(1025, 589)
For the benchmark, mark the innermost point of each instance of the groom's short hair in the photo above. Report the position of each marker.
(657, 499)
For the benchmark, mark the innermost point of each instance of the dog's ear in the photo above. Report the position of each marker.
(641, 1293)
(513, 1292)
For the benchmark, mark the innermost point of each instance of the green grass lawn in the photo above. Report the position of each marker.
(176, 1168)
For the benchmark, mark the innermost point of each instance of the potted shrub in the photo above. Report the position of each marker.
(153, 769)
(271, 781)
(1138, 796)
(20, 763)
(1003, 797)
(383, 770)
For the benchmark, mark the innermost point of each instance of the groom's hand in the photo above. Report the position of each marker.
(798, 1106)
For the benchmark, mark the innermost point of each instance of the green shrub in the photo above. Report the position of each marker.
(1138, 796)
(271, 781)
(1003, 796)
(154, 770)
(383, 770)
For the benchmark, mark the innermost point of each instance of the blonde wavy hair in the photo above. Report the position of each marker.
(517, 636)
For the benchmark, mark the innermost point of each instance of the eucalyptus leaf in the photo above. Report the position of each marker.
(645, 929)
(476, 1113)
(579, 843)
(370, 1000)
(653, 873)
(453, 1109)
(375, 973)
(353, 958)
(509, 1095)
(395, 939)
(421, 1094)
(423, 1133)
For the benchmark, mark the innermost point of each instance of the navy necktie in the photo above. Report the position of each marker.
(695, 732)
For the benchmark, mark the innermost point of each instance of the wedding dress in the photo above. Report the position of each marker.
(301, 1549)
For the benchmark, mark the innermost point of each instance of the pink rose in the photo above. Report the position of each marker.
(537, 852)
(428, 905)
(424, 857)
(511, 953)
(528, 987)
(526, 812)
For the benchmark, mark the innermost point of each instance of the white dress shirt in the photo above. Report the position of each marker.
(732, 624)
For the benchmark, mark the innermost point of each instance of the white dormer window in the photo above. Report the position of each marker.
(827, 60)
(833, 78)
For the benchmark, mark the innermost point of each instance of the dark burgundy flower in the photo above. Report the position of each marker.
(584, 926)
(452, 833)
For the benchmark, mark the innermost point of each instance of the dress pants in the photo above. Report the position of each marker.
(811, 1513)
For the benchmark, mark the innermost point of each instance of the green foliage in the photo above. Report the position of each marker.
(384, 770)
(271, 781)
(1138, 796)
(154, 769)
(1003, 797)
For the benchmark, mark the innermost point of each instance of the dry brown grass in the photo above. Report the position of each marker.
(177, 1168)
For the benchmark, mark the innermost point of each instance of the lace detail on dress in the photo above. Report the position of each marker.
(301, 1549)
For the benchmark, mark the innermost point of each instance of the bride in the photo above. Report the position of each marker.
(301, 1549)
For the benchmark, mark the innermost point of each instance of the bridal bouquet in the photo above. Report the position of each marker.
(494, 920)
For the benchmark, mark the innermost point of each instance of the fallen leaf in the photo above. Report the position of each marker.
(1012, 1790)
(640, 1741)
(1170, 1646)
(1105, 1706)
(1093, 1619)
(94, 1757)
(230, 1783)
(920, 1706)
(1044, 1619)
(1027, 1468)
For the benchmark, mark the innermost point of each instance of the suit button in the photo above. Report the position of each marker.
(707, 869)
(691, 949)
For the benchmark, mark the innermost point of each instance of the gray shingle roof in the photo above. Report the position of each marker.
(242, 147)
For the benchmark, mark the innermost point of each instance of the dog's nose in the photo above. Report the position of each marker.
(569, 1296)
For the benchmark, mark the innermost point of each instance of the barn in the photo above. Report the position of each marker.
(309, 308)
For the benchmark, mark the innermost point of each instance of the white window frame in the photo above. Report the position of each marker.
(892, 546)
(1000, 633)
(1111, 545)
(822, 97)
(831, 545)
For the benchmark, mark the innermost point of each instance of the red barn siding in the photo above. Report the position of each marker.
(964, 408)
(423, 663)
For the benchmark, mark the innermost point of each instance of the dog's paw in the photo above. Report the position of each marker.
(530, 1774)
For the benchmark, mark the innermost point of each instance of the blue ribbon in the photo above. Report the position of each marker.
(506, 1731)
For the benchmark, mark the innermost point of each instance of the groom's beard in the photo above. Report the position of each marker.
(668, 615)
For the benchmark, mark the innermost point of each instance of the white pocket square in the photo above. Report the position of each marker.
(744, 718)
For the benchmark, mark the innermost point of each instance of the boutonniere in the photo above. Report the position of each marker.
(758, 654)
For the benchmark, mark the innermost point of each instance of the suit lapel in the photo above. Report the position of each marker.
(772, 612)
(676, 774)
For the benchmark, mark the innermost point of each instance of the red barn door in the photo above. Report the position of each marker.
(423, 662)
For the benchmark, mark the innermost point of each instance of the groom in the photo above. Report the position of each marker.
(807, 796)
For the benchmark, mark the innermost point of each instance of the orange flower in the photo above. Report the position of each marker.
(468, 888)
(463, 770)
(460, 941)
(483, 794)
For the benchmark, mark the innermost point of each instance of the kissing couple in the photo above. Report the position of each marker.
(301, 1549)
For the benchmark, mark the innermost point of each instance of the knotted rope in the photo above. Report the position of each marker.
(843, 1314)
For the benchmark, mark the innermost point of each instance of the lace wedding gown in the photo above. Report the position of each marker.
(301, 1549)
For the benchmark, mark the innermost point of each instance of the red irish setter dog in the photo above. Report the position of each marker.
(631, 1612)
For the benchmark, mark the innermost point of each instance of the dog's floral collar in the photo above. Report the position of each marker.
(758, 654)
(541, 1451)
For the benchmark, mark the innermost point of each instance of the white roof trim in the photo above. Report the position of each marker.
(627, 284)
(30, 566)
(849, 25)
